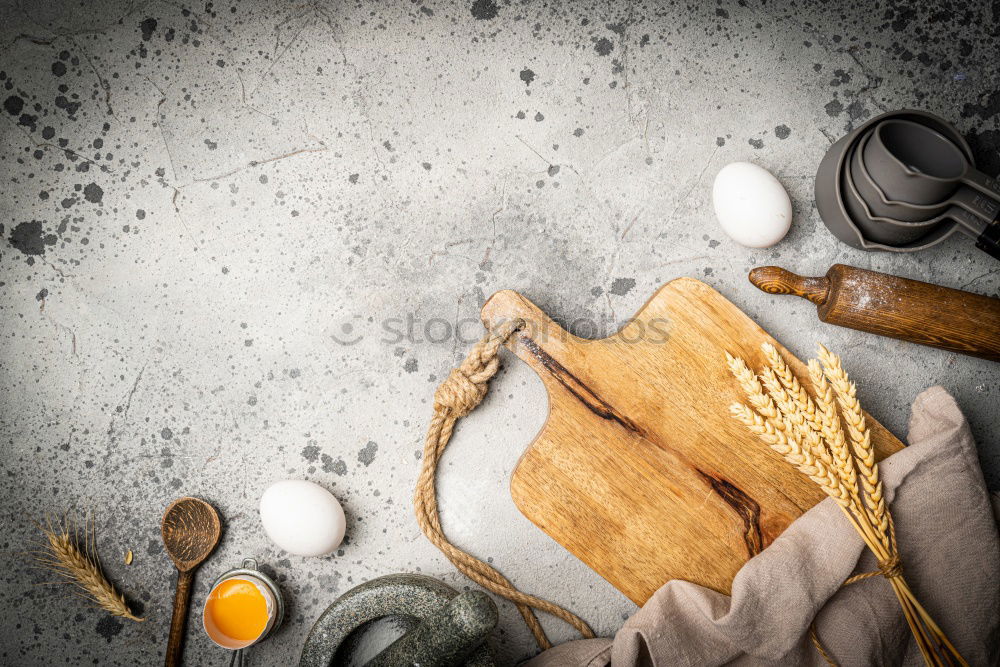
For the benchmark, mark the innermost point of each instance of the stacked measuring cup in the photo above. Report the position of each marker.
(905, 181)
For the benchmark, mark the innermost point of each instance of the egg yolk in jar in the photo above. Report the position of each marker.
(237, 609)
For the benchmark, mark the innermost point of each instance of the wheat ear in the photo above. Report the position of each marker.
(833, 434)
(864, 453)
(790, 447)
(751, 386)
(789, 410)
(63, 555)
(797, 393)
(816, 425)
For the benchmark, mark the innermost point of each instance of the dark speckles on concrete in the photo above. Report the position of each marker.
(985, 146)
(603, 46)
(93, 193)
(13, 105)
(108, 627)
(30, 238)
(840, 77)
(367, 453)
(147, 27)
(484, 10)
(337, 466)
(381, 162)
(622, 286)
(988, 109)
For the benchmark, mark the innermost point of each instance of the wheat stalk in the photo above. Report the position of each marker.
(860, 439)
(791, 448)
(63, 554)
(809, 432)
(798, 393)
(833, 435)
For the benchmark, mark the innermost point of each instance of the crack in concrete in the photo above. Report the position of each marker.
(501, 209)
(447, 246)
(102, 82)
(249, 165)
(628, 228)
(159, 124)
(545, 159)
(112, 434)
(979, 277)
(59, 32)
(62, 274)
(61, 327)
(277, 37)
(255, 163)
(874, 81)
(694, 185)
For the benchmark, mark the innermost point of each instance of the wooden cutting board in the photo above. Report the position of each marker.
(639, 470)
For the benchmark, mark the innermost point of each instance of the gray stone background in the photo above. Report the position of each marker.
(218, 216)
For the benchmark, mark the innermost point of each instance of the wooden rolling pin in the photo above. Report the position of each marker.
(896, 307)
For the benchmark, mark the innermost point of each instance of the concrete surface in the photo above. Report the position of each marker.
(218, 219)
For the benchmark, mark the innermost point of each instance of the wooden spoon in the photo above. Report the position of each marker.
(191, 529)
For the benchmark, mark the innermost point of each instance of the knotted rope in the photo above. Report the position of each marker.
(889, 569)
(457, 396)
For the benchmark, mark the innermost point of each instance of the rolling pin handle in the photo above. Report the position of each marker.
(776, 280)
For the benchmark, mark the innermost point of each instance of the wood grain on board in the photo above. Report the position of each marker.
(639, 470)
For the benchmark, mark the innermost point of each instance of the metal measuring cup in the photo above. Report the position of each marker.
(914, 164)
(882, 206)
(881, 229)
(831, 187)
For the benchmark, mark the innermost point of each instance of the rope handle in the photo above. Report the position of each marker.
(456, 397)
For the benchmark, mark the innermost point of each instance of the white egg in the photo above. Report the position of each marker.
(302, 518)
(751, 205)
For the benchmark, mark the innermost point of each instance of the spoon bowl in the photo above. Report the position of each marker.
(191, 529)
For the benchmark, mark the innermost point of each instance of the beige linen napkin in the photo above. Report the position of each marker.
(951, 557)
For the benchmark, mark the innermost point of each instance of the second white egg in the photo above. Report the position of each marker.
(302, 518)
(751, 205)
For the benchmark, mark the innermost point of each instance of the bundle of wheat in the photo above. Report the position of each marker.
(824, 435)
